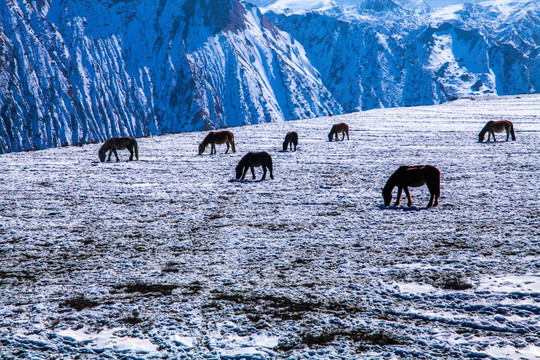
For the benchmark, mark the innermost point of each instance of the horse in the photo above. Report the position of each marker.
(290, 139)
(251, 160)
(217, 137)
(493, 127)
(337, 129)
(119, 143)
(414, 176)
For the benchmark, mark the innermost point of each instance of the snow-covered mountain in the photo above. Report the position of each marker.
(379, 54)
(80, 71)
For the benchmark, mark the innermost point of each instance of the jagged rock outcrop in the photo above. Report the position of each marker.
(80, 71)
(378, 54)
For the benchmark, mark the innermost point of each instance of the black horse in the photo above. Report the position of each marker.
(413, 176)
(119, 143)
(290, 139)
(251, 160)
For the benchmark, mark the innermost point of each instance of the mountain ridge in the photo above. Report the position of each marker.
(74, 72)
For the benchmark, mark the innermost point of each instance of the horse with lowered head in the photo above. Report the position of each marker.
(493, 127)
(290, 139)
(251, 160)
(119, 143)
(414, 176)
(217, 137)
(341, 128)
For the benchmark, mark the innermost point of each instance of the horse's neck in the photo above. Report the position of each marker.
(390, 184)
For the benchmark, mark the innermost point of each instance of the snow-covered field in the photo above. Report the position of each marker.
(169, 257)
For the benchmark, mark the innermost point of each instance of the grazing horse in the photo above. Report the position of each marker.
(251, 160)
(413, 176)
(493, 127)
(217, 137)
(337, 129)
(290, 139)
(119, 143)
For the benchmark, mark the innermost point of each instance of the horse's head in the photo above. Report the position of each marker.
(481, 137)
(201, 148)
(285, 145)
(330, 136)
(239, 171)
(387, 196)
(102, 154)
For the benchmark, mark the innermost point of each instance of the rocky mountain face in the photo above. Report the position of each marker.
(378, 54)
(78, 71)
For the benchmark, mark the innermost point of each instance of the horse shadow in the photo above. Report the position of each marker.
(247, 181)
(403, 208)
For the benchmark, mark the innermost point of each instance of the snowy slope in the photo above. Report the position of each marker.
(169, 257)
(81, 71)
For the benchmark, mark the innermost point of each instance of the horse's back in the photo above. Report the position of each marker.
(120, 143)
(292, 136)
(257, 159)
(416, 175)
(340, 127)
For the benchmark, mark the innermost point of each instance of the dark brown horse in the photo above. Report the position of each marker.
(251, 160)
(413, 176)
(290, 139)
(338, 129)
(493, 127)
(119, 143)
(217, 137)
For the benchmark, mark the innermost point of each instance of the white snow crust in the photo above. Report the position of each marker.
(170, 257)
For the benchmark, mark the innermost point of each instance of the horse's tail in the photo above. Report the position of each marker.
(136, 146)
(436, 181)
(512, 131)
(232, 143)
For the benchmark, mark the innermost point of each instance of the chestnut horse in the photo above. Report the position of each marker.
(251, 160)
(219, 137)
(413, 176)
(119, 143)
(290, 139)
(493, 127)
(338, 129)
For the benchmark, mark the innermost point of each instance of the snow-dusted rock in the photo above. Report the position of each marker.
(81, 71)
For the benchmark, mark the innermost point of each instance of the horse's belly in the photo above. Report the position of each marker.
(417, 183)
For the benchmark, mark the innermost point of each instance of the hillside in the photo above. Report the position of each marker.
(171, 257)
(80, 71)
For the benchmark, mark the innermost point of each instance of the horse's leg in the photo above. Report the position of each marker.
(213, 149)
(253, 171)
(431, 196)
(130, 149)
(400, 189)
(110, 154)
(493, 133)
(409, 200)
(264, 173)
(244, 173)
(507, 134)
(343, 137)
(348, 138)
(226, 151)
(116, 154)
